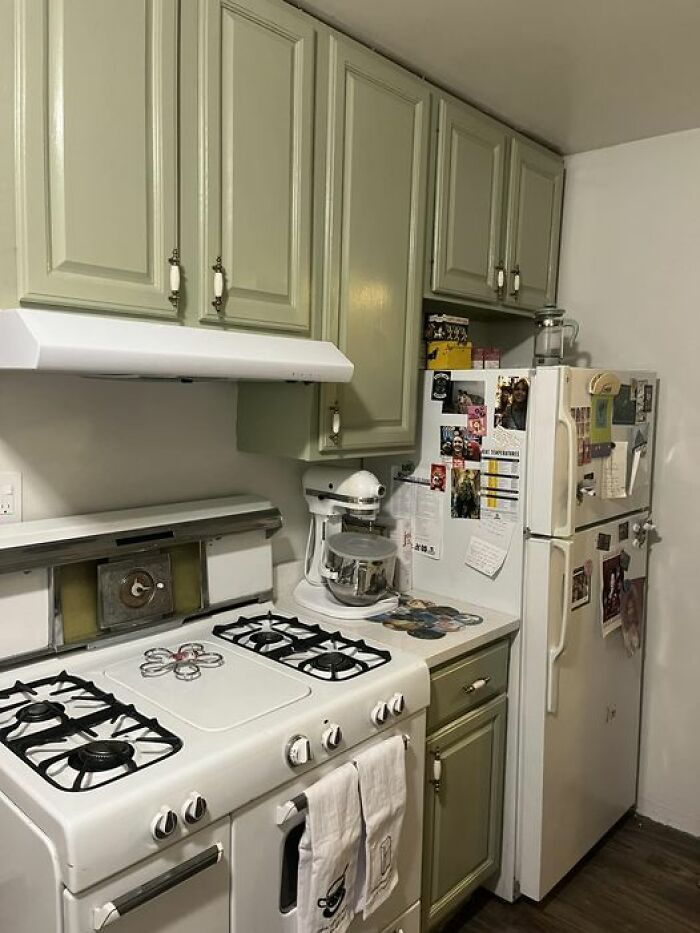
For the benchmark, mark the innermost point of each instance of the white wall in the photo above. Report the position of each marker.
(629, 274)
(89, 444)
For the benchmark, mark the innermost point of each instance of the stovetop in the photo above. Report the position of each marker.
(325, 655)
(77, 736)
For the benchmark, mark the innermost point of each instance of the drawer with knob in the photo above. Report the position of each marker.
(467, 683)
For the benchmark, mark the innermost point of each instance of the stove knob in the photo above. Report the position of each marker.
(298, 751)
(380, 714)
(194, 809)
(164, 823)
(332, 737)
(397, 704)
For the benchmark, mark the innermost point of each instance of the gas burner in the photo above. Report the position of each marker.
(85, 740)
(41, 711)
(102, 755)
(186, 662)
(308, 648)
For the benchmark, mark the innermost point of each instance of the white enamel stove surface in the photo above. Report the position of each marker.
(231, 754)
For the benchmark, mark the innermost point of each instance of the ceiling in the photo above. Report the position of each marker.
(578, 74)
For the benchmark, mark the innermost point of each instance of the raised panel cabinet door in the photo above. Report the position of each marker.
(464, 813)
(256, 126)
(375, 183)
(536, 188)
(470, 181)
(97, 154)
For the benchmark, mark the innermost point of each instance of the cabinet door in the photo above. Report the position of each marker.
(536, 188)
(375, 180)
(463, 816)
(97, 158)
(256, 124)
(470, 181)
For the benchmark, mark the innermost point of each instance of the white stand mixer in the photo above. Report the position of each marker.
(331, 493)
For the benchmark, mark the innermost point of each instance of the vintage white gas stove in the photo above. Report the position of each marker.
(156, 744)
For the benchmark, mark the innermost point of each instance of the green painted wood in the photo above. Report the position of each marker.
(469, 199)
(462, 829)
(535, 194)
(448, 697)
(256, 128)
(96, 153)
(374, 187)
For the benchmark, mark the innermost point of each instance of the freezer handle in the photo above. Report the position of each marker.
(557, 650)
(564, 417)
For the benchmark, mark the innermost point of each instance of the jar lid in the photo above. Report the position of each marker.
(361, 546)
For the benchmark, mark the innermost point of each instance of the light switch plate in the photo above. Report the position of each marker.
(10, 497)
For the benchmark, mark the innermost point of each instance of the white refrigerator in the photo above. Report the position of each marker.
(563, 484)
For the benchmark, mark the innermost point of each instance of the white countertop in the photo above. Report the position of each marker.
(433, 651)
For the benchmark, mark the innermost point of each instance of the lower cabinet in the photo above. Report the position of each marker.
(463, 808)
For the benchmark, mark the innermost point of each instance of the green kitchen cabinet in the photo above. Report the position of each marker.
(496, 202)
(256, 126)
(535, 193)
(470, 181)
(371, 171)
(96, 154)
(465, 762)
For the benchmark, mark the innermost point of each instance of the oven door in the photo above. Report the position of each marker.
(184, 888)
(266, 856)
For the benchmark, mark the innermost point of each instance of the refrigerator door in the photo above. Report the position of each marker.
(570, 484)
(580, 701)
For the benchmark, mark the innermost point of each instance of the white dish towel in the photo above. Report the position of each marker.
(328, 853)
(382, 773)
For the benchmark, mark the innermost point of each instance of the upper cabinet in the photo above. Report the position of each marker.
(496, 212)
(469, 195)
(97, 164)
(256, 173)
(535, 192)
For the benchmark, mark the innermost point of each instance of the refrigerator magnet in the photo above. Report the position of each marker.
(625, 406)
(512, 394)
(462, 395)
(603, 543)
(611, 593)
(441, 386)
(580, 588)
(438, 477)
(623, 531)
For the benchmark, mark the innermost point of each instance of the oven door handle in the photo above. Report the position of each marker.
(112, 911)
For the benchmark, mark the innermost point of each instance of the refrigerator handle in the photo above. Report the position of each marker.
(556, 651)
(564, 417)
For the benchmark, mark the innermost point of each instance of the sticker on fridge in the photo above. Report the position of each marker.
(441, 388)
(476, 420)
(611, 593)
(438, 477)
(462, 395)
(456, 443)
(625, 406)
(581, 587)
(464, 502)
(632, 613)
(512, 393)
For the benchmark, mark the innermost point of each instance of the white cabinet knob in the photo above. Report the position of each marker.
(332, 737)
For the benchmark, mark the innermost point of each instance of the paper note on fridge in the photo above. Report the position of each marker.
(488, 549)
(614, 478)
(428, 521)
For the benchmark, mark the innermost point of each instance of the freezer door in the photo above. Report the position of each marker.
(580, 702)
(569, 487)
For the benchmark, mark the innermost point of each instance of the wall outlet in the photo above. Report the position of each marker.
(10, 498)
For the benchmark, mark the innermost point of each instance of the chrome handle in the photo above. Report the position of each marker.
(174, 262)
(114, 910)
(334, 436)
(218, 271)
(515, 272)
(437, 770)
(477, 685)
(500, 271)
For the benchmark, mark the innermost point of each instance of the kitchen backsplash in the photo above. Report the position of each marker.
(86, 445)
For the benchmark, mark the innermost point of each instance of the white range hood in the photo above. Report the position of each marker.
(93, 345)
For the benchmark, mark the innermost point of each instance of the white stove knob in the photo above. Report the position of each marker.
(380, 714)
(332, 737)
(397, 704)
(164, 823)
(194, 809)
(298, 751)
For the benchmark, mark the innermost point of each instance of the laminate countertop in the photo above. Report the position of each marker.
(434, 652)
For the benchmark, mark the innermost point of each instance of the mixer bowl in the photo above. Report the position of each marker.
(359, 568)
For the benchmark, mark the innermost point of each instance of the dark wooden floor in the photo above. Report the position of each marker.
(643, 878)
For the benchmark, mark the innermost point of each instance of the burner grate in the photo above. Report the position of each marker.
(86, 739)
(324, 655)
